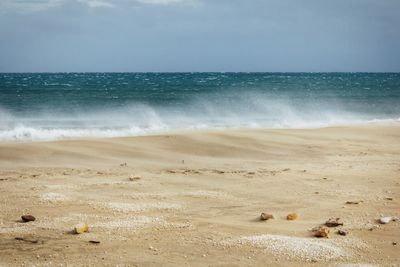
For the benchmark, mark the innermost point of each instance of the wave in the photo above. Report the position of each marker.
(213, 112)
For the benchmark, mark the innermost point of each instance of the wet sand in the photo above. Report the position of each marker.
(194, 198)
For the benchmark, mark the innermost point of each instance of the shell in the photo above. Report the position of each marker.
(265, 216)
(81, 228)
(322, 232)
(292, 216)
(385, 220)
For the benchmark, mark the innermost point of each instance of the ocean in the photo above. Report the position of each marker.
(52, 106)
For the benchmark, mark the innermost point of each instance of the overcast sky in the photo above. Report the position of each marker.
(199, 35)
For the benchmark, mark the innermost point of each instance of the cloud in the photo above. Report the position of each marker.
(96, 3)
(32, 6)
(167, 2)
(28, 6)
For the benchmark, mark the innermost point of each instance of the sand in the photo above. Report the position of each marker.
(199, 196)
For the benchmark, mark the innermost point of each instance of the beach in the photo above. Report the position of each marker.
(194, 198)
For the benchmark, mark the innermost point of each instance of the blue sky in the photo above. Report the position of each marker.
(199, 35)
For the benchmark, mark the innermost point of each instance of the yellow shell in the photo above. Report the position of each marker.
(292, 216)
(81, 228)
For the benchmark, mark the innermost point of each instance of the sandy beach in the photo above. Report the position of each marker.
(194, 199)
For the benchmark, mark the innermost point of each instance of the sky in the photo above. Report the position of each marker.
(199, 35)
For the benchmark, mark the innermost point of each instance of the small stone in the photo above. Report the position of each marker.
(265, 216)
(291, 216)
(389, 198)
(385, 220)
(28, 218)
(342, 232)
(81, 228)
(394, 243)
(94, 242)
(322, 232)
(353, 202)
(333, 222)
(134, 178)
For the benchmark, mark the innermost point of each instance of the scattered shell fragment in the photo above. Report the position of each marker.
(292, 216)
(334, 222)
(134, 177)
(33, 241)
(27, 218)
(353, 202)
(322, 232)
(265, 216)
(81, 228)
(385, 220)
(342, 232)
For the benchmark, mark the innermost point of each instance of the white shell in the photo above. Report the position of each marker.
(385, 220)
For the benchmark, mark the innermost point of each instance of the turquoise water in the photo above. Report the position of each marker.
(74, 105)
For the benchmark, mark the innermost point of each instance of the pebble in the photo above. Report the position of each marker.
(134, 178)
(322, 232)
(353, 202)
(28, 218)
(292, 216)
(265, 216)
(342, 232)
(385, 220)
(333, 222)
(81, 228)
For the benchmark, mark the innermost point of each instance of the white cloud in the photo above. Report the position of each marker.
(28, 6)
(96, 3)
(166, 2)
(31, 6)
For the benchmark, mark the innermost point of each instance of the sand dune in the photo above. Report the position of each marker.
(198, 198)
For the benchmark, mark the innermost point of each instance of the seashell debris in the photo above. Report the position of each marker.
(265, 216)
(81, 228)
(292, 216)
(353, 202)
(134, 177)
(385, 220)
(322, 232)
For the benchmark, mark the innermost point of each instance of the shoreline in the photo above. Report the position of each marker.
(372, 123)
(194, 197)
(377, 123)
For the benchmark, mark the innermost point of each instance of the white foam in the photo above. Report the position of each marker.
(242, 111)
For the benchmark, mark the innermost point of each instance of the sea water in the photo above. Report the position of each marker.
(51, 106)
